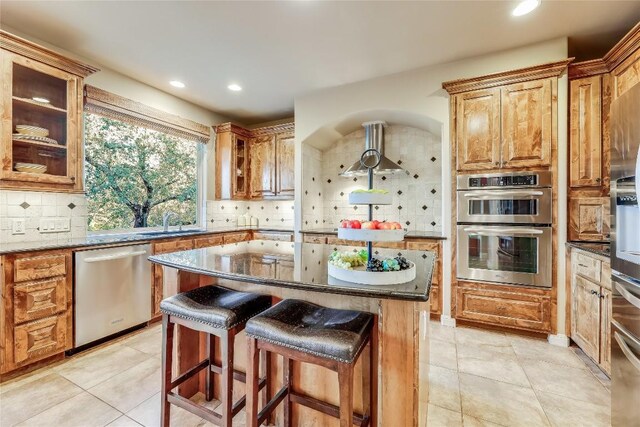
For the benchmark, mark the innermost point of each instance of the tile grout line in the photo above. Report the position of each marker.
(546, 416)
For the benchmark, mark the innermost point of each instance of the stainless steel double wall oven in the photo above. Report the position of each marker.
(504, 228)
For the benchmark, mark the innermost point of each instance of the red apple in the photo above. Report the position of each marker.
(356, 224)
(345, 223)
(396, 226)
(368, 225)
(375, 224)
(384, 226)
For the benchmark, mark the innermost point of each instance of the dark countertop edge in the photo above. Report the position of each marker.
(586, 246)
(409, 235)
(298, 285)
(125, 238)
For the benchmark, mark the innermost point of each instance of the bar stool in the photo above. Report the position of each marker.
(310, 333)
(218, 312)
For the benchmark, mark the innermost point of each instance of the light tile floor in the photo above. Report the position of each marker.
(477, 378)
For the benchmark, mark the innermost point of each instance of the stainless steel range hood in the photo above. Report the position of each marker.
(374, 138)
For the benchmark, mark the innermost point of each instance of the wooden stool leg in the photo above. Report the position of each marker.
(265, 360)
(253, 363)
(366, 381)
(167, 362)
(287, 370)
(211, 343)
(226, 391)
(345, 380)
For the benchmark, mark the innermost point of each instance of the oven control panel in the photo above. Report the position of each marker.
(513, 180)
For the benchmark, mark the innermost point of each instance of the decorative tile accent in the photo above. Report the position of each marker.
(384, 178)
(424, 207)
(399, 192)
(433, 159)
(399, 162)
(433, 223)
(433, 191)
(71, 205)
(24, 205)
(416, 176)
(328, 181)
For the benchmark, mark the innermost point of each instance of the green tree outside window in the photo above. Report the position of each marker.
(134, 175)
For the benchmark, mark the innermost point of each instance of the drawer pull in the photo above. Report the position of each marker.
(583, 266)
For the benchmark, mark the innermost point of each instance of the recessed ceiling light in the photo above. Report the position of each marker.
(234, 87)
(525, 7)
(177, 83)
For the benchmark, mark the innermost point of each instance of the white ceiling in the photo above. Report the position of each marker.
(278, 50)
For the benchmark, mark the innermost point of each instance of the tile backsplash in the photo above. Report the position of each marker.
(417, 196)
(32, 206)
(225, 213)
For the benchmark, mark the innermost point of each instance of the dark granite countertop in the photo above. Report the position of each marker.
(598, 248)
(301, 266)
(114, 239)
(436, 235)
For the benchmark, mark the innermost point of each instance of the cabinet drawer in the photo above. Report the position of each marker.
(205, 242)
(389, 245)
(282, 237)
(417, 245)
(587, 267)
(35, 300)
(237, 237)
(39, 267)
(531, 311)
(172, 246)
(332, 240)
(307, 238)
(39, 339)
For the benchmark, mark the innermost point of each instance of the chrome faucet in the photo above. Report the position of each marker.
(165, 220)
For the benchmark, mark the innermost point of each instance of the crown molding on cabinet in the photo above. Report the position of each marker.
(542, 71)
(39, 53)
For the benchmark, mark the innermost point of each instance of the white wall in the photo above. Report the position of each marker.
(419, 92)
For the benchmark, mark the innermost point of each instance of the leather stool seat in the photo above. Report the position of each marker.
(215, 306)
(310, 328)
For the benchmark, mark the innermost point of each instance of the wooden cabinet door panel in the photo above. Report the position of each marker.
(586, 266)
(626, 75)
(237, 237)
(172, 246)
(35, 300)
(262, 166)
(585, 319)
(224, 162)
(39, 267)
(434, 300)
(282, 237)
(522, 310)
(605, 330)
(312, 238)
(478, 129)
(263, 267)
(205, 242)
(526, 124)
(585, 141)
(39, 339)
(286, 166)
(589, 218)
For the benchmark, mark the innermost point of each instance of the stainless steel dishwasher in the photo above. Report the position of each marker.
(112, 291)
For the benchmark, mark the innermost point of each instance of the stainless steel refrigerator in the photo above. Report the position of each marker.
(625, 259)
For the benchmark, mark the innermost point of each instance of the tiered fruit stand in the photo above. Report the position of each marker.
(370, 159)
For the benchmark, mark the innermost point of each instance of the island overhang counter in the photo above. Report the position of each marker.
(299, 270)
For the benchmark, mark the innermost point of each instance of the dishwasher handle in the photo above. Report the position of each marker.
(120, 255)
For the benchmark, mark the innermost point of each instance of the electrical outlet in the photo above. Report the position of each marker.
(18, 226)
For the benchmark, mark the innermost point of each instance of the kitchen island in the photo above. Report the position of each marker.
(299, 270)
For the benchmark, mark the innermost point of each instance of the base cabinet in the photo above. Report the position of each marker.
(36, 307)
(515, 307)
(589, 219)
(591, 306)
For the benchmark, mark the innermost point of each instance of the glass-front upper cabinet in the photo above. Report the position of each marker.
(41, 118)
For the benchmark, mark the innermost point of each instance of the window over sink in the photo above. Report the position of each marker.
(140, 163)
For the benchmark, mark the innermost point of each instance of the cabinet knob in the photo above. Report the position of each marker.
(598, 179)
(592, 292)
(497, 163)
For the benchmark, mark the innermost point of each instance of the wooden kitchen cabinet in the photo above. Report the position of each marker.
(285, 165)
(589, 219)
(478, 129)
(37, 308)
(585, 133)
(585, 327)
(589, 278)
(526, 124)
(262, 154)
(42, 89)
(627, 74)
(232, 162)
(505, 120)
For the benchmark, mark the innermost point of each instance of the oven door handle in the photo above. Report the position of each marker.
(503, 231)
(624, 346)
(620, 284)
(501, 194)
